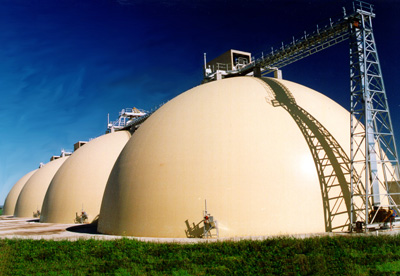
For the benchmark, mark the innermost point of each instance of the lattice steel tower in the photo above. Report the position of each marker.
(372, 139)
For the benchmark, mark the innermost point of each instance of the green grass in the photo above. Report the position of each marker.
(356, 255)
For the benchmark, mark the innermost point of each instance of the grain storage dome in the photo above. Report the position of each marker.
(11, 199)
(235, 143)
(30, 199)
(80, 182)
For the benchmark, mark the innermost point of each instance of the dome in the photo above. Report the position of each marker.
(30, 199)
(11, 199)
(230, 144)
(80, 182)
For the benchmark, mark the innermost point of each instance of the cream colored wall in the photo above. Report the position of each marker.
(80, 181)
(11, 199)
(31, 197)
(221, 141)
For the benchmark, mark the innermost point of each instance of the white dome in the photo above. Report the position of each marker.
(30, 199)
(11, 199)
(80, 181)
(228, 143)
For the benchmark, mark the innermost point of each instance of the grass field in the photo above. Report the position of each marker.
(355, 255)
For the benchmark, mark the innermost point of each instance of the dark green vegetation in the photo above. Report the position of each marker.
(355, 255)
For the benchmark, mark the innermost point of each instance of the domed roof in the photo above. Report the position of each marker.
(11, 199)
(232, 144)
(80, 182)
(30, 199)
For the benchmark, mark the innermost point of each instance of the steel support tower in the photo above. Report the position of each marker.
(373, 148)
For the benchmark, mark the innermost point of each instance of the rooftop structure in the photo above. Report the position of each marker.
(125, 118)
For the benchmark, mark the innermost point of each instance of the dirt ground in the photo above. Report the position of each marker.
(29, 228)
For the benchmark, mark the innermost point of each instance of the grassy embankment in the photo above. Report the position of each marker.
(281, 256)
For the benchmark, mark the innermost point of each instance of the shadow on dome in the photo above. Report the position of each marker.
(331, 161)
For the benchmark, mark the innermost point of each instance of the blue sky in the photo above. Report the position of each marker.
(65, 64)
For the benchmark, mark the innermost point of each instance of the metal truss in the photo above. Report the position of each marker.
(331, 161)
(334, 32)
(374, 160)
(307, 45)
